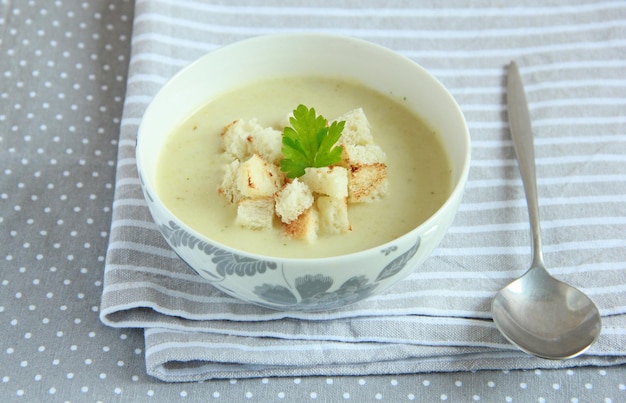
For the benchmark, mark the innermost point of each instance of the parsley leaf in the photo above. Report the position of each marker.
(309, 142)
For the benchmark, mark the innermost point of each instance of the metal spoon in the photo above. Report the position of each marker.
(539, 314)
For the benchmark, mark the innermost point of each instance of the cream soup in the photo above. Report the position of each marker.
(418, 170)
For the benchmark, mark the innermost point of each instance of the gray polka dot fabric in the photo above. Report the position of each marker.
(75, 78)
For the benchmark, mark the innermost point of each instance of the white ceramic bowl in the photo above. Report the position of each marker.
(287, 283)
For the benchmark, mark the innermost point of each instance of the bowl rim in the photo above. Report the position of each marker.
(455, 194)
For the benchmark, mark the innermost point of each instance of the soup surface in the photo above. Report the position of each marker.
(418, 170)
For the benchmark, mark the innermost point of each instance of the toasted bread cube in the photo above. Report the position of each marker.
(228, 188)
(237, 138)
(257, 214)
(331, 181)
(333, 215)
(357, 128)
(268, 143)
(292, 200)
(367, 183)
(362, 154)
(304, 227)
(257, 178)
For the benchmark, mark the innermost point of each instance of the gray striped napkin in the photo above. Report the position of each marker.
(572, 59)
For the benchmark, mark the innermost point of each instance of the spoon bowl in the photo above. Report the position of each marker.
(546, 317)
(538, 313)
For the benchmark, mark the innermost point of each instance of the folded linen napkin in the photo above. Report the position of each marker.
(438, 318)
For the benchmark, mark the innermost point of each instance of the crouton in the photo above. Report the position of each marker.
(292, 200)
(333, 215)
(357, 128)
(268, 143)
(367, 183)
(362, 155)
(237, 138)
(317, 202)
(304, 227)
(257, 178)
(331, 181)
(257, 214)
(228, 188)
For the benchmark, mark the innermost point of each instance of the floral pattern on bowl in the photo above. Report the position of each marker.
(313, 290)
(226, 263)
(309, 291)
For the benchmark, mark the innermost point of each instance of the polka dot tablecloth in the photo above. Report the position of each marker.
(63, 67)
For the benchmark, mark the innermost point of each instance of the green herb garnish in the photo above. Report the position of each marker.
(309, 142)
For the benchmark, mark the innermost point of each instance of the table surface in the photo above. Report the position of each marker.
(64, 65)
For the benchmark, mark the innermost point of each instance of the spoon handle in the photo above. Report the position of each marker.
(522, 135)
